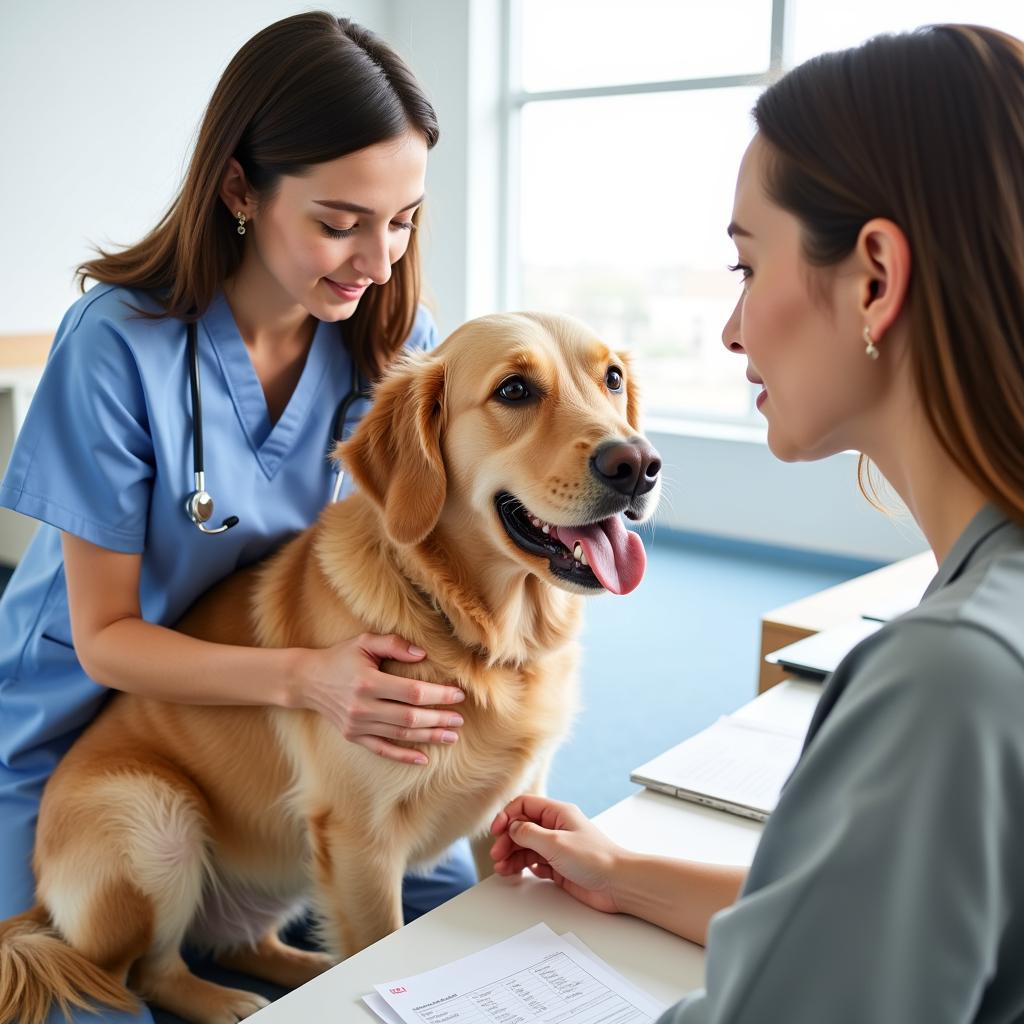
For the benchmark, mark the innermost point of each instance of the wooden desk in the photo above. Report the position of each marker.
(20, 351)
(22, 358)
(901, 583)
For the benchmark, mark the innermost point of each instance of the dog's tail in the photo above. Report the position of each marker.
(38, 968)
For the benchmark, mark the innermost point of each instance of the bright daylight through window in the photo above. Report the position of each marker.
(627, 126)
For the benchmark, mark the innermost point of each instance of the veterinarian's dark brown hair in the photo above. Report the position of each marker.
(305, 90)
(925, 129)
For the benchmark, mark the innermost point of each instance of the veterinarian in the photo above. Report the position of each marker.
(292, 248)
(879, 221)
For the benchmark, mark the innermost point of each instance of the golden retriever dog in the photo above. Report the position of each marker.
(491, 477)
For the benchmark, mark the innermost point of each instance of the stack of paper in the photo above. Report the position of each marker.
(536, 977)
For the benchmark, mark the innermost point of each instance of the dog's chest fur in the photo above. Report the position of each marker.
(512, 725)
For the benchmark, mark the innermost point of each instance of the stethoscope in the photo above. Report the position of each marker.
(199, 504)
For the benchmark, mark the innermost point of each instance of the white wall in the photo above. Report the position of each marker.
(726, 482)
(454, 47)
(99, 103)
(98, 107)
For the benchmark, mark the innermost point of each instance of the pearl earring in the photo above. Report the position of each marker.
(241, 222)
(872, 350)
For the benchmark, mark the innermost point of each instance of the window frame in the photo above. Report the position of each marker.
(514, 98)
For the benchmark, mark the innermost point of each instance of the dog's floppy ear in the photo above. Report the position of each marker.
(395, 453)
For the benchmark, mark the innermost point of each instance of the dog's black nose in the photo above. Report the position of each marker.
(629, 467)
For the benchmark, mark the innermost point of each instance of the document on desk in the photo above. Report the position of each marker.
(536, 977)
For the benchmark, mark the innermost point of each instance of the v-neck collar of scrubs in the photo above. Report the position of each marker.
(270, 442)
(985, 522)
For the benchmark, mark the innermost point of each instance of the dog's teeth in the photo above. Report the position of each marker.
(546, 528)
(583, 559)
(577, 552)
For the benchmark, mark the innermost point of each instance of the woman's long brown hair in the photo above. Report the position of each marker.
(302, 91)
(926, 129)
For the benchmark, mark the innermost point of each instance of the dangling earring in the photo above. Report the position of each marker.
(241, 222)
(871, 351)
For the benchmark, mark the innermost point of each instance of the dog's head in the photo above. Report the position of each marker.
(519, 436)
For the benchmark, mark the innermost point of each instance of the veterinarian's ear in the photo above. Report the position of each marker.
(632, 392)
(395, 453)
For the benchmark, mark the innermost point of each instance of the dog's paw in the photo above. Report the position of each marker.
(236, 1005)
(314, 964)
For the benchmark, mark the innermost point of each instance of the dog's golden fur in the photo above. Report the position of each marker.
(165, 822)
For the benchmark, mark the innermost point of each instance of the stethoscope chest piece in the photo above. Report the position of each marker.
(199, 504)
(200, 507)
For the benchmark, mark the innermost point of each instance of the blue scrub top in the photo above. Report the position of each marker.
(105, 453)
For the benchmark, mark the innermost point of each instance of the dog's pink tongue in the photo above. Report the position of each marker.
(616, 555)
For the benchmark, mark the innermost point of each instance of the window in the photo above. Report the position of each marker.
(626, 124)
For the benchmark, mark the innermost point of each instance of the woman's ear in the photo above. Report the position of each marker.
(394, 455)
(234, 190)
(884, 254)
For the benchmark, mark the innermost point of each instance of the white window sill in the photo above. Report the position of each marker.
(706, 429)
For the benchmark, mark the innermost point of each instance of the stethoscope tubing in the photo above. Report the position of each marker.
(356, 391)
(199, 496)
(197, 401)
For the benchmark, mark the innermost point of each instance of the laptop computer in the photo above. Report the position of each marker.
(819, 655)
(741, 762)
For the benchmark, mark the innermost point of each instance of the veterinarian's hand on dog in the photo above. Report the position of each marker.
(373, 708)
(557, 841)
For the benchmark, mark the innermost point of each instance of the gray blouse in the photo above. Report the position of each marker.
(888, 886)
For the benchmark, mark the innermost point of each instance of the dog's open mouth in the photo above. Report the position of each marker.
(602, 555)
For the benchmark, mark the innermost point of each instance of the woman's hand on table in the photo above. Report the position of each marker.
(557, 841)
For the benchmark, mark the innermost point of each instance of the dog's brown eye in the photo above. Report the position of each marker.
(613, 379)
(513, 389)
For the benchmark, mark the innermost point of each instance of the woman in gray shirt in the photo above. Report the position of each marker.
(879, 221)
